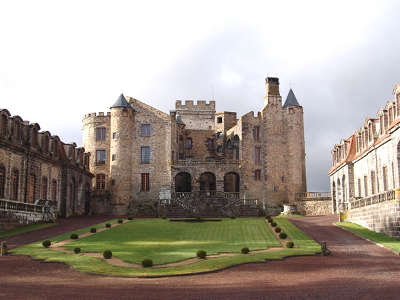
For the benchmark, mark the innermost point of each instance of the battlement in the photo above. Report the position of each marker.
(201, 105)
(97, 115)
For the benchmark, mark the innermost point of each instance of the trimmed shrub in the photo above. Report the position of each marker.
(278, 229)
(147, 263)
(283, 235)
(5, 248)
(270, 220)
(201, 254)
(120, 221)
(74, 236)
(163, 217)
(245, 250)
(289, 245)
(107, 254)
(130, 218)
(46, 243)
(93, 230)
(77, 250)
(273, 224)
(108, 225)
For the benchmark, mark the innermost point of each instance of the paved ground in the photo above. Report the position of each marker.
(356, 270)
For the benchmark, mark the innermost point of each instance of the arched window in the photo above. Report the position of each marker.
(54, 190)
(44, 188)
(2, 180)
(208, 182)
(100, 182)
(31, 188)
(183, 182)
(14, 184)
(188, 143)
(232, 182)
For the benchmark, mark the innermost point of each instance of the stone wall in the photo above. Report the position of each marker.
(314, 207)
(381, 217)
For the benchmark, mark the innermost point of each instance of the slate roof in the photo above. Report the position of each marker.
(121, 102)
(291, 100)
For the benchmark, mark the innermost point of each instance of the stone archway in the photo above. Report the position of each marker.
(232, 182)
(183, 182)
(208, 182)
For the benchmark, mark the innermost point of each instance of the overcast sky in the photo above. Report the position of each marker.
(62, 59)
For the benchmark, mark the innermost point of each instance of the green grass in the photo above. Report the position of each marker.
(383, 239)
(225, 236)
(24, 229)
(166, 242)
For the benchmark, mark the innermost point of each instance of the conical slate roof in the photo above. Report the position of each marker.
(121, 102)
(291, 100)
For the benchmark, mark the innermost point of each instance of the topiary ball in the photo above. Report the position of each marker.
(93, 230)
(273, 224)
(147, 263)
(120, 221)
(289, 245)
(130, 218)
(201, 254)
(283, 235)
(46, 243)
(108, 225)
(163, 217)
(77, 250)
(74, 236)
(107, 254)
(245, 250)
(278, 229)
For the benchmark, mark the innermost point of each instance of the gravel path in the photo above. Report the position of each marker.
(356, 270)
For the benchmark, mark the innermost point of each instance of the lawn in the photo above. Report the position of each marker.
(383, 239)
(24, 229)
(165, 241)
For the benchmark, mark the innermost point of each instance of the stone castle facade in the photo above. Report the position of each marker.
(366, 171)
(140, 153)
(35, 165)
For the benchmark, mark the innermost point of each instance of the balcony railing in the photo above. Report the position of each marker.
(193, 162)
(47, 210)
(313, 196)
(205, 194)
(374, 199)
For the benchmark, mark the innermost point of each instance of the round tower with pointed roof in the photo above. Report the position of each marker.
(295, 146)
(122, 131)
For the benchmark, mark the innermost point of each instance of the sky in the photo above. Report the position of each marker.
(62, 59)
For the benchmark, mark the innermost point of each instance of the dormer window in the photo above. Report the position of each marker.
(34, 137)
(4, 125)
(45, 144)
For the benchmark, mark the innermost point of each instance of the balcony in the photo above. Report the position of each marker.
(194, 162)
(307, 196)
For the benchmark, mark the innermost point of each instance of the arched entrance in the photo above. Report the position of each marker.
(232, 182)
(183, 182)
(207, 182)
(334, 197)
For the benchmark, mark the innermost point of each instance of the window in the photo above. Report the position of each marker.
(210, 144)
(359, 187)
(114, 157)
(145, 130)
(17, 131)
(373, 189)
(2, 180)
(100, 182)
(44, 188)
(365, 186)
(4, 124)
(145, 187)
(257, 155)
(14, 184)
(385, 179)
(100, 134)
(219, 120)
(188, 143)
(114, 135)
(45, 144)
(34, 137)
(54, 190)
(31, 188)
(220, 149)
(101, 157)
(257, 175)
(256, 133)
(145, 154)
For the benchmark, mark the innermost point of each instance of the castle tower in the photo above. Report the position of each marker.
(295, 147)
(122, 135)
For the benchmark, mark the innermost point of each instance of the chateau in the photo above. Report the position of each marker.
(194, 159)
(365, 171)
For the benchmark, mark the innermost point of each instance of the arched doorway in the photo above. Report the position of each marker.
(334, 197)
(208, 182)
(232, 182)
(344, 196)
(183, 182)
